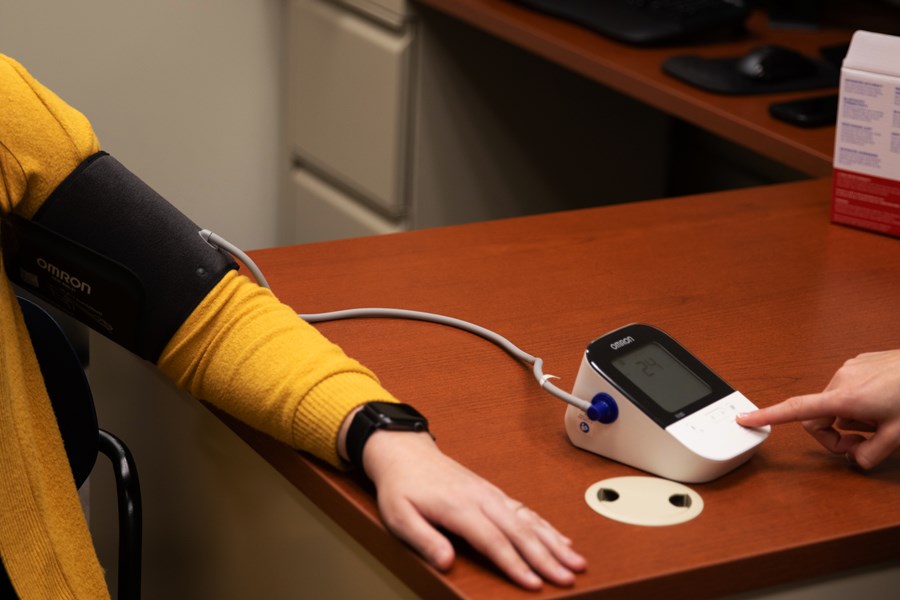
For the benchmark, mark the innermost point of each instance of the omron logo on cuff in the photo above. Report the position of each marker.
(94, 289)
(61, 276)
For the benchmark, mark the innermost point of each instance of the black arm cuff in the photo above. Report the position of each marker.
(108, 210)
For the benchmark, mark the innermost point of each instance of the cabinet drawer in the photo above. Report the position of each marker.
(348, 90)
(320, 212)
(392, 12)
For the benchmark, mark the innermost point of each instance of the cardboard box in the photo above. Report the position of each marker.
(866, 189)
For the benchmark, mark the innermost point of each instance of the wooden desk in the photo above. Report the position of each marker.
(757, 282)
(637, 72)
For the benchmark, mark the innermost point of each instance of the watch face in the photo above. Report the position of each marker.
(389, 415)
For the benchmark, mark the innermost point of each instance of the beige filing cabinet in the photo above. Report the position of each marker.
(404, 120)
(349, 66)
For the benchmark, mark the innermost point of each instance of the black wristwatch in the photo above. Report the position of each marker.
(380, 415)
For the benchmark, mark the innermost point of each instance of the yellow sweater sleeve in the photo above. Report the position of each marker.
(247, 353)
(44, 539)
(43, 139)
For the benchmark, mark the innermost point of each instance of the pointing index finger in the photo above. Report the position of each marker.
(797, 408)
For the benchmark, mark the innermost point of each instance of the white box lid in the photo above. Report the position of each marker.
(874, 52)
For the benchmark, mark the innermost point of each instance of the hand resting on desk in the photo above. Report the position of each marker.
(513, 536)
(863, 397)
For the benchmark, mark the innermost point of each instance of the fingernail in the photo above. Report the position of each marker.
(531, 580)
(564, 576)
(442, 559)
(578, 557)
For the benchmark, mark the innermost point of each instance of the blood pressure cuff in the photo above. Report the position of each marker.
(113, 253)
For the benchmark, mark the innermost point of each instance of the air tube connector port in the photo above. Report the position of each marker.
(603, 408)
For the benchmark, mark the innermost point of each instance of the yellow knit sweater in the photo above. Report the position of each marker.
(240, 349)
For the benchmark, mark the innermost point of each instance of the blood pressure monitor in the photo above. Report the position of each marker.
(665, 411)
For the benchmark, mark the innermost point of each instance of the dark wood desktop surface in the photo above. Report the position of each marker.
(757, 283)
(637, 71)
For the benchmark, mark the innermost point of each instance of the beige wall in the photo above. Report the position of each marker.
(187, 94)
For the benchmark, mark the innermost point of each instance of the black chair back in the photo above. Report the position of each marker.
(68, 388)
(73, 404)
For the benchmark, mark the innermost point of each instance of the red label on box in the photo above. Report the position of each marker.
(866, 201)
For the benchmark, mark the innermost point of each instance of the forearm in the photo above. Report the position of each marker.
(245, 352)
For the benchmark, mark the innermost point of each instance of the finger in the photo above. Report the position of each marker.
(502, 531)
(488, 538)
(870, 453)
(559, 545)
(553, 541)
(832, 439)
(797, 408)
(535, 541)
(848, 443)
(545, 525)
(404, 521)
(854, 425)
(757, 418)
(824, 433)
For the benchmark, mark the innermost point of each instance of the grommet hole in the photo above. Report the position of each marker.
(680, 500)
(647, 501)
(607, 495)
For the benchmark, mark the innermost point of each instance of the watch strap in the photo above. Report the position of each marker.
(379, 415)
(361, 429)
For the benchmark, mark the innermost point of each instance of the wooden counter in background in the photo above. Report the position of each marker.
(637, 72)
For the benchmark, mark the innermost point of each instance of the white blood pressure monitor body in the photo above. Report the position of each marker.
(676, 418)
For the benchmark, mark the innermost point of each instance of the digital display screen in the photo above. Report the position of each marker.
(662, 377)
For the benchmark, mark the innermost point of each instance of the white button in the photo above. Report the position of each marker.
(718, 415)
